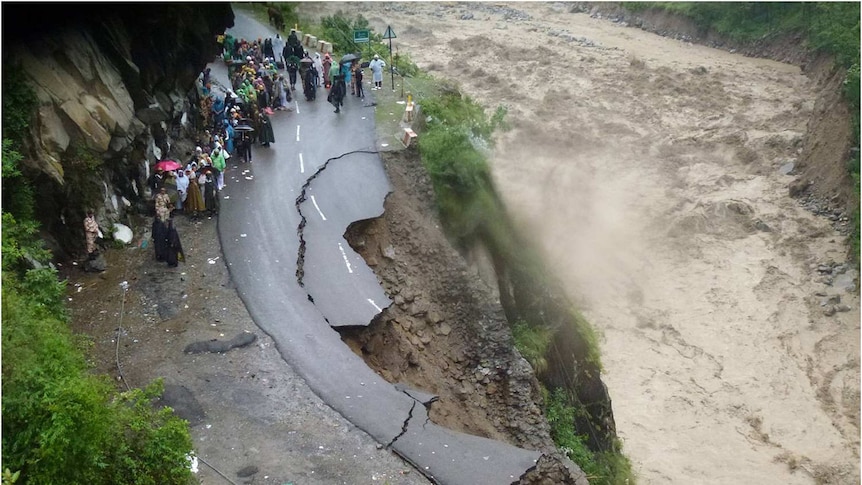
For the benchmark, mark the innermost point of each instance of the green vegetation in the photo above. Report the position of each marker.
(602, 468)
(532, 342)
(61, 424)
(829, 27)
(19, 104)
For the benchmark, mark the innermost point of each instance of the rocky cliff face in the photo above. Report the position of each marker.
(112, 84)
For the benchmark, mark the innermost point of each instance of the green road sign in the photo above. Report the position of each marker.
(389, 34)
(361, 36)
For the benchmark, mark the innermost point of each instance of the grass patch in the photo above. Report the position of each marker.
(532, 342)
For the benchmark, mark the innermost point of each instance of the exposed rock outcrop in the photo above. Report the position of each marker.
(112, 86)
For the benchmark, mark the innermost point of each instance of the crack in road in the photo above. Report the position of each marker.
(403, 426)
(300, 230)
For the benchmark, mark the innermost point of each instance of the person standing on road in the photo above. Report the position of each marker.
(348, 78)
(159, 234)
(91, 232)
(182, 189)
(318, 66)
(163, 200)
(244, 146)
(357, 80)
(210, 195)
(195, 200)
(376, 65)
(278, 48)
(327, 65)
(173, 247)
(219, 163)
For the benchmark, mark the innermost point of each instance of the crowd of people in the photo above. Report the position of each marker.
(263, 76)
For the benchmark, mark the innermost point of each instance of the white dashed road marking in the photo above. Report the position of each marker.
(346, 261)
(297, 132)
(301, 164)
(374, 305)
(314, 201)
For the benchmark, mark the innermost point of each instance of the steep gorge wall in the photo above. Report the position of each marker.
(111, 84)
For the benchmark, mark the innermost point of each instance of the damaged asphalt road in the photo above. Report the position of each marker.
(262, 231)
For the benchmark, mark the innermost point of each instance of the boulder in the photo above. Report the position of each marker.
(122, 233)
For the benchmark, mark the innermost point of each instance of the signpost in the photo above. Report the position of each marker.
(390, 34)
(361, 36)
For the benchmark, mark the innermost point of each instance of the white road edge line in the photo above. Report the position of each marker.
(346, 261)
(301, 164)
(374, 304)
(314, 201)
(297, 132)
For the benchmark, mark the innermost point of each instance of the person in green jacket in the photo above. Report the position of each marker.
(219, 163)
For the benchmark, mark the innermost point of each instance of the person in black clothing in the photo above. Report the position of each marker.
(267, 48)
(243, 146)
(173, 247)
(292, 39)
(292, 69)
(159, 242)
(357, 79)
(211, 199)
(309, 83)
(336, 94)
(267, 135)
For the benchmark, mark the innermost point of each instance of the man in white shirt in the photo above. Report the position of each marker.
(278, 48)
(182, 188)
(376, 66)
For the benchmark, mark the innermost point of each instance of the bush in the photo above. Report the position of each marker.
(60, 423)
(606, 468)
(19, 104)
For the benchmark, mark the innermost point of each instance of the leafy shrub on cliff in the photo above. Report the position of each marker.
(532, 342)
(19, 104)
(602, 468)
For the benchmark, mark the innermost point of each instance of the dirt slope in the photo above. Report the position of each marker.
(649, 170)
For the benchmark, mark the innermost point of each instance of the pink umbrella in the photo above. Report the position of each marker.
(168, 165)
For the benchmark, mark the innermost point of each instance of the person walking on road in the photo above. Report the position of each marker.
(376, 65)
(336, 94)
(292, 69)
(278, 48)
